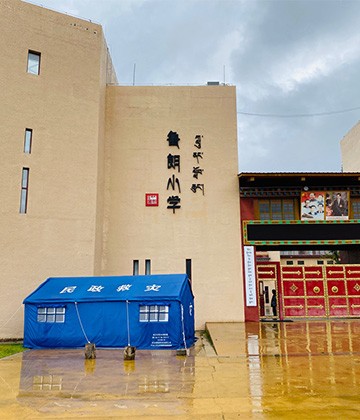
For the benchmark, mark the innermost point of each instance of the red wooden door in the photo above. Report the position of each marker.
(293, 291)
(352, 273)
(315, 292)
(318, 291)
(337, 291)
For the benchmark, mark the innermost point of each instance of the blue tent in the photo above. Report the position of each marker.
(148, 312)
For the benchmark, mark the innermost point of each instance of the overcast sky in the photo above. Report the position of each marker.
(287, 59)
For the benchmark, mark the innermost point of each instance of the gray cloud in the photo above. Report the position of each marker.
(285, 57)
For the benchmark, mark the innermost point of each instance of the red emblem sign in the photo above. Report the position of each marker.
(151, 199)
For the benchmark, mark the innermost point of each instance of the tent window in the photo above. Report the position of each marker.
(154, 313)
(51, 314)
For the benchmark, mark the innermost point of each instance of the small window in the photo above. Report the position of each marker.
(320, 262)
(355, 206)
(33, 64)
(51, 315)
(147, 266)
(154, 313)
(188, 268)
(289, 262)
(281, 209)
(28, 140)
(24, 190)
(300, 262)
(135, 267)
(330, 262)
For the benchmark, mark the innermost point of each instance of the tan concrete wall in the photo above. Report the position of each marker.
(350, 150)
(107, 76)
(86, 212)
(64, 106)
(207, 228)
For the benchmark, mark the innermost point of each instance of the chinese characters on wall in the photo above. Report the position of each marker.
(250, 276)
(173, 164)
(173, 183)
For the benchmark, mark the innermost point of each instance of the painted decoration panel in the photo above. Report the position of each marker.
(316, 307)
(336, 288)
(294, 307)
(354, 306)
(314, 288)
(338, 306)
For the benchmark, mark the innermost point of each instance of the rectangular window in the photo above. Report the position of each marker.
(135, 267)
(300, 262)
(264, 210)
(147, 266)
(355, 207)
(289, 262)
(320, 262)
(188, 268)
(154, 313)
(33, 63)
(51, 315)
(28, 140)
(330, 262)
(276, 209)
(24, 190)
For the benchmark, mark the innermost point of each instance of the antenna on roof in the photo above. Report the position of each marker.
(134, 74)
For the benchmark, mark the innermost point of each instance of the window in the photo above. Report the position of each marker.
(289, 262)
(330, 262)
(135, 267)
(33, 63)
(355, 206)
(28, 140)
(24, 190)
(300, 262)
(147, 266)
(154, 313)
(188, 268)
(276, 209)
(320, 262)
(51, 314)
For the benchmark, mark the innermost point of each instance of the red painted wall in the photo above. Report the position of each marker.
(247, 213)
(247, 209)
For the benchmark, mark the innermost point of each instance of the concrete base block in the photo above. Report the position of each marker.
(90, 351)
(129, 353)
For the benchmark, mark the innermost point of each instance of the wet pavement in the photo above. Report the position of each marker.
(269, 370)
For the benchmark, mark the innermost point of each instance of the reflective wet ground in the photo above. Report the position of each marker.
(295, 370)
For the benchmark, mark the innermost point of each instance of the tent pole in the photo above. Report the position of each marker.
(128, 321)
(182, 324)
(81, 325)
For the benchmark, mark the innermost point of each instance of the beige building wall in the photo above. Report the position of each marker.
(350, 150)
(96, 150)
(64, 106)
(206, 229)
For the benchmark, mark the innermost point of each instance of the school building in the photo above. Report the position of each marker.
(101, 179)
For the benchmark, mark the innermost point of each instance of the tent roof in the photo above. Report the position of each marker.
(114, 288)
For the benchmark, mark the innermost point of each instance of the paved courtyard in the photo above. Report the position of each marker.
(270, 370)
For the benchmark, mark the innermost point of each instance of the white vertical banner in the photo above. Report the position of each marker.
(250, 275)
